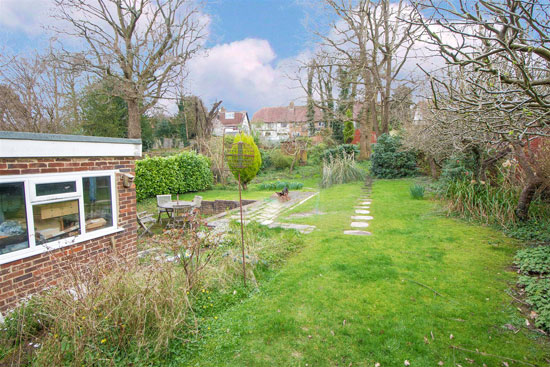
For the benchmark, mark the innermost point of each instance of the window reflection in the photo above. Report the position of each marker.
(98, 208)
(13, 218)
(55, 221)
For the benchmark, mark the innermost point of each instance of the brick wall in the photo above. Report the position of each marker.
(21, 278)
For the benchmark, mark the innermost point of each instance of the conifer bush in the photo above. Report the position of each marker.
(391, 160)
(249, 172)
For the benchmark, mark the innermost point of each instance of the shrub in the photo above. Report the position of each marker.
(175, 174)
(534, 265)
(534, 260)
(339, 151)
(266, 159)
(249, 172)
(389, 160)
(533, 231)
(341, 170)
(417, 191)
(458, 167)
(280, 160)
(349, 132)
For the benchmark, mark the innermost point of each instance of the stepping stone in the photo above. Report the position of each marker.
(366, 202)
(359, 224)
(362, 211)
(361, 217)
(358, 233)
(361, 207)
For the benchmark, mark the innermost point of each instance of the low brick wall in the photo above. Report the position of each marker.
(24, 277)
(220, 206)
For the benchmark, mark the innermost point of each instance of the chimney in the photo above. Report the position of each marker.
(222, 109)
(291, 105)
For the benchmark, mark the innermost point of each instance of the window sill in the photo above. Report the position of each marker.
(66, 242)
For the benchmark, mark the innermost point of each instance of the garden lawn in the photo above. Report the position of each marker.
(355, 301)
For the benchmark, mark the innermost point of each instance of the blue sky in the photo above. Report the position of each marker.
(252, 46)
(278, 21)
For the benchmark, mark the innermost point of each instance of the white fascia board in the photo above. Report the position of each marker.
(21, 148)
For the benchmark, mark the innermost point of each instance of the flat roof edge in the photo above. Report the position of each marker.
(63, 137)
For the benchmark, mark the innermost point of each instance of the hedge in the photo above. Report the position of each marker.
(175, 174)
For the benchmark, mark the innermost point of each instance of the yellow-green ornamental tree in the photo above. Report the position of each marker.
(251, 165)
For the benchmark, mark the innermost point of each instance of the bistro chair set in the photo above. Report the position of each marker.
(179, 213)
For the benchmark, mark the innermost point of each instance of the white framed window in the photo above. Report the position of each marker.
(47, 211)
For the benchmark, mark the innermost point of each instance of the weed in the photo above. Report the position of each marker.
(417, 191)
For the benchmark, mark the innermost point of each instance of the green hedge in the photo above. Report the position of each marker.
(175, 174)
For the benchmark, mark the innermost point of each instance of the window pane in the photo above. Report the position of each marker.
(55, 188)
(98, 208)
(55, 221)
(13, 218)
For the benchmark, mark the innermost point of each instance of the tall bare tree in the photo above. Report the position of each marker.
(141, 45)
(37, 94)
(498, 80)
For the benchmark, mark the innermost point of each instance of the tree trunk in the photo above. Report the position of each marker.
(134, 119)
(525, 198)
(533, 182)
(433, 167)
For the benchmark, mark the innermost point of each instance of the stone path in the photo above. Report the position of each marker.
(363, 207)
(265, 212)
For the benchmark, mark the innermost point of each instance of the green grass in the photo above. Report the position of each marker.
(344, 301)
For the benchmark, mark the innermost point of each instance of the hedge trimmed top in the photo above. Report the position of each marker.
(175, 174)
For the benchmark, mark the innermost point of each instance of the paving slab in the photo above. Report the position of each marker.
(361, 207)
(362, 211)
(357, 233)
(302, 228)
(359, 224)
(368, 202)
(361, 217)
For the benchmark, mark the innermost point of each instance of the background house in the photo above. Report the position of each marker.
(231, 122)
(276, 124)
(64, 201)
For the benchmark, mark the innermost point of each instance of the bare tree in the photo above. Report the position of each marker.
(499, 76)
(37, 94)
(370, 40)
(142, 45)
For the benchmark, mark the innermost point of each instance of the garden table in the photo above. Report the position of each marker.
(177, 206)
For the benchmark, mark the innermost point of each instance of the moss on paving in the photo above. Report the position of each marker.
(354, 301)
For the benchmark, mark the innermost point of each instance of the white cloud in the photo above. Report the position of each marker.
(27, 16)
(243, 74)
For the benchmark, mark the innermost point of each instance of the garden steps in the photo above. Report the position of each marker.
(363, 207)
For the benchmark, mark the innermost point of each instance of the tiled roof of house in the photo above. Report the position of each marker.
(285, 114)
(231, 118)
(293, 113)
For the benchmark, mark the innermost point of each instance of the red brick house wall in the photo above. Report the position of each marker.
(24, 277)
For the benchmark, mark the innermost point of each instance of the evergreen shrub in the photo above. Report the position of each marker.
(249, 172)
(280, 160)
(390, 160)
(177, 174)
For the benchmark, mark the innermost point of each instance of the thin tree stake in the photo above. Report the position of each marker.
(242, 231)
(492, 355)
(425, 286)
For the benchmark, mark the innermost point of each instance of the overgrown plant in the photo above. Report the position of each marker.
(341, 170)
(112, 311)
(534, 265)
(417, 191)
